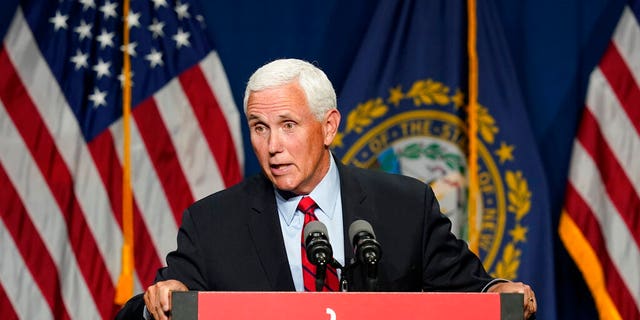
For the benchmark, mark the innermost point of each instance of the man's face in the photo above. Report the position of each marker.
(290, 143)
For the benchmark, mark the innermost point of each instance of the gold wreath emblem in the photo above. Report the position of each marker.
(429, 92)
(519, 199)
(364, 114)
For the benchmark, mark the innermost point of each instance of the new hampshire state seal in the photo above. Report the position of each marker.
(421, 133)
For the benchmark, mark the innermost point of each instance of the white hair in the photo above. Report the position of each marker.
(316, 86)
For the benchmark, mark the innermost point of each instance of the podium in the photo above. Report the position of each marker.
(202, 305)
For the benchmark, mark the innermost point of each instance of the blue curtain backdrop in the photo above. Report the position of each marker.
(553, 45)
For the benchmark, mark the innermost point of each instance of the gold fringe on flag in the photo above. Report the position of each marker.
(472, 119)
(587, 261)
(124, 289)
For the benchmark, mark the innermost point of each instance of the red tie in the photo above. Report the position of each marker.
(308, 206)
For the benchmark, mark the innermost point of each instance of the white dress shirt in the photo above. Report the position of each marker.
(327, 196)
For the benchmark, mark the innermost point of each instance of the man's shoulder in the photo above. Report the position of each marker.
(233, 196)
(371, 178)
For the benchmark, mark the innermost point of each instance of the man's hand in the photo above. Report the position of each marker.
(530, 304)
(157, 298)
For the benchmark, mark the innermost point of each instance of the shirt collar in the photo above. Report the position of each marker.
(324, 194)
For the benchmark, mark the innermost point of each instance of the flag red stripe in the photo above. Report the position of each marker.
(584, 218)
(5, 305)
(212, 123)
(35, 134)
(617, 184)
(32, 249)
(147, 259)
(623, 84)
(164, 157)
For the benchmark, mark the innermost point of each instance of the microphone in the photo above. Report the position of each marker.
(319, 252)
(367, 250)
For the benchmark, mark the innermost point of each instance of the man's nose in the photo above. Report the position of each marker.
(275, 143)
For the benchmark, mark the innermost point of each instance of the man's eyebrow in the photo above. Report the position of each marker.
(286, 116)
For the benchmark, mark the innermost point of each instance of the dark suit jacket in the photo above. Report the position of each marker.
(232, 240)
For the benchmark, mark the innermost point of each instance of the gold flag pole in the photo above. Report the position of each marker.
(124, 289)
(472, 118)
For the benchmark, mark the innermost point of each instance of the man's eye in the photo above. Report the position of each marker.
(289, 125)
(259, 129)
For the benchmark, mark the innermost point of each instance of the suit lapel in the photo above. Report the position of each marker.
(356, 204)
(266, 234)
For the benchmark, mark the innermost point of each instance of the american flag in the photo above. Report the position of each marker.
(61, 147)
(600, 225)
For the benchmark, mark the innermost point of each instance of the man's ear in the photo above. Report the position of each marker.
(330, 125)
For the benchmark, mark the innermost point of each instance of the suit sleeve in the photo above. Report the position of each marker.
(186, 263)
(133, 309)
(448, 264)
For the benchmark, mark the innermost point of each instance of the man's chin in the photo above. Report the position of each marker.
(284, 184)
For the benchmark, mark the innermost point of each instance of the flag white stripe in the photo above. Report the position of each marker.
(46, 218)
(213, 71)
(623, 250)
(27, 300)
(626, 38)
(151, 199)
(615, 126)
(197, 162)
(63, 127)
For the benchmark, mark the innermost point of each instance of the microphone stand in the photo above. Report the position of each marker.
(344, 275)
(369, 274)
(372, 276)
(321, 274)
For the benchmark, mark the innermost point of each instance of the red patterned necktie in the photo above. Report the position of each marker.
(308, 206)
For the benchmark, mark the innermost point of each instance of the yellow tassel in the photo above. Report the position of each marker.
(124, 290)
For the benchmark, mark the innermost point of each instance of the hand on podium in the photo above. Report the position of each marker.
(530, 305)
(157, 298)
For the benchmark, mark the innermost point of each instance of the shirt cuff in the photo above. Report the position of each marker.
(146, 315)
(488, 285)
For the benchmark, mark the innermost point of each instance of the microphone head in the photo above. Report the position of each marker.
(316, 242)
(365, 246)
(315, 227)
(360, 226)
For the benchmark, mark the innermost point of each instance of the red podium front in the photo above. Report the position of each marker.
(345, 305)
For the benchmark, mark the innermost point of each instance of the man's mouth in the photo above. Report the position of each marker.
(278, 169)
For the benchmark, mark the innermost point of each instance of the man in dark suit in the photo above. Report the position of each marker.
(247, 238)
